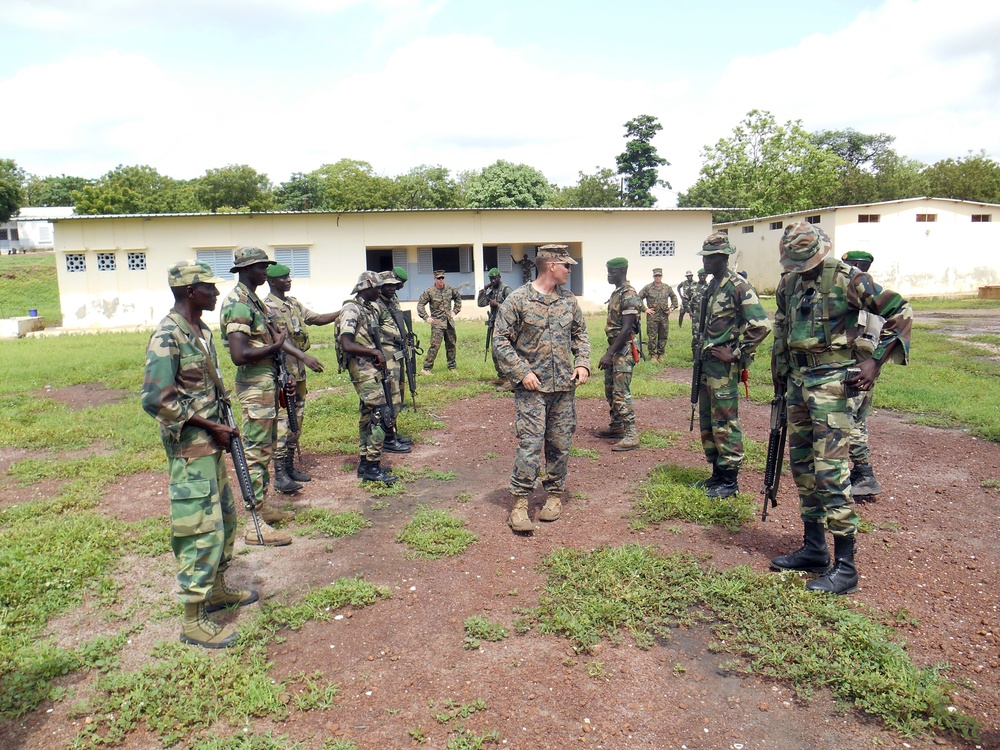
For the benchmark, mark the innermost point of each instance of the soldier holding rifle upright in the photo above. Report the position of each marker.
(493, 294)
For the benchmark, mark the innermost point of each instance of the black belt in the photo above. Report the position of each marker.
(803, 360)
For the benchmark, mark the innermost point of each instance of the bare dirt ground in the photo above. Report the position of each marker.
(931, 556)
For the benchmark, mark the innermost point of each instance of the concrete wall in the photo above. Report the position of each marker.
(337, 246)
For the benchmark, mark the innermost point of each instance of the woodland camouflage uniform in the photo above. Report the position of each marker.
(618, 378)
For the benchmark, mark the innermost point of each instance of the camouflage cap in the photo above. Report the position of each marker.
(688, 273)
(657, 272)
(493, 273)
(277, 271)
(248, 256)
(188, 272)
(717, 242)
(858, 255)
(803, 246)
(401, 273)
(439, 274)
(367, 280)
(557, 253)
(388, 278)
(617, 263)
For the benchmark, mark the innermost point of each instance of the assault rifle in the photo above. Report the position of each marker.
(411, 348)
(696, 344)
(385, 413)
(491, 320)
(239, 457)
(775, 452)
(286, 391)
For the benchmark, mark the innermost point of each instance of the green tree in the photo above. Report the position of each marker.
(53, 191)
(302, 192)
(599, 190)
(236, 186)
(11, 189)
(640, 163)
(135, 190)
(508, 185)
(429, 187)
(974, 177)
(352, 185)
(765, 169)
(872, 171)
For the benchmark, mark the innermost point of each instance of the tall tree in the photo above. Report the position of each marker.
(872, 171)
(11, 190)
(640, 163)
(237, 186)
(507, 185)
(135, 190)
(53, 191)
(352, 185)
(302, 192)
(429, 187)
(974, 177)
(765, 168)
(598, 190)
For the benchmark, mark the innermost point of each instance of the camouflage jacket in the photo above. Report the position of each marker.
(660, 299)
(685, 290)
(392, 337)
(694, 301)
(624, 301)
(243, 312)
(177, 385)
(733, 316)
(487, 294)
(293, 316)
(801, 323)
(359, 319)
(544, 334)
(441, 301)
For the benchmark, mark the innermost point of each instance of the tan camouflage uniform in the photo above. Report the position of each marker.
(359, 319)
(443, 302)
(659, 298)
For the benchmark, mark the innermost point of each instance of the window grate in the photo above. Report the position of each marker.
(137, 261)
(76, 263)
(656, 248)
(106, 262)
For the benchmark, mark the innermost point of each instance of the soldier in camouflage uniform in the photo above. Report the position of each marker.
(393, 331)
(685, 290)
(618, 362)
(660, 300)
(697, 294)
(732, 324)
(541, 344)
(493, 294)
(293, 317)
(179, 390)
(813, 362)
(445, 302)
(252, 344)
(357, 331)
(864, 485)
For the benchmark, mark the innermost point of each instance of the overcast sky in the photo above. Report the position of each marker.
(288, 85)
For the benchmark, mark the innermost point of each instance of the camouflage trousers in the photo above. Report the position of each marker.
(259, 430)
(544, 422)
(617, 390)
(395, 368)
(286, 439)
(861, 407)
(371, 429)
(450, 346)
(202, 522)
(657, 332)
(719, 414)
(819, 439)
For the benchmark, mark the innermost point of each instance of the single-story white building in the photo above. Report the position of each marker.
(31, 229)
(112, 269)
(922, 246)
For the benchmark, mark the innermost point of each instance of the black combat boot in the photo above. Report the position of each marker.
(282, 482)
(813, 556)
(727, 484)
(294, 474)
(863, 482)
(392, 444)
(704, 484)
(402, 439)
(375, 473)
(842, 578)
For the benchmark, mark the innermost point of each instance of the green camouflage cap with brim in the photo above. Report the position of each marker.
(557, 253)
(249, 256)
(493, 273)
(439, 274)
(188, 272)
(401, 274)
(277, 271)
(717, 242)
(858, 255)
(367, 280)
(657, 272)
(617, 263)
(803, 246)
(389, 278)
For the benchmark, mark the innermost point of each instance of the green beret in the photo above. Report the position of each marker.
(702, 272)
(858, 255)
(401, 273)
(493, 272)
(617, 263)
(277, 271)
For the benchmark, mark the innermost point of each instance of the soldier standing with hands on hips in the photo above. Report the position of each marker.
(660, 300)
(445, 303)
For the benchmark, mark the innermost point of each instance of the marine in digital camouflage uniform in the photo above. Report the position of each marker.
(445, 303)
(393, 331)
(251, 346)
(618, 362)
(179, 391)
(733, 323)
(685, 290)
(357, 328)
(660, 300)
(293, 317)
(493, 295)
(541, 345)
(818, 302)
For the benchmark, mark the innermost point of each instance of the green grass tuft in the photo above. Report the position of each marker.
(666, 495)
(435, 533)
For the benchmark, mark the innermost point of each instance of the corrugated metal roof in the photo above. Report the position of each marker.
(852, 205)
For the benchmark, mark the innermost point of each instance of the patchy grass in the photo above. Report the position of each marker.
(435, 533)
(328, 523)
(667, 495)
(480, 629)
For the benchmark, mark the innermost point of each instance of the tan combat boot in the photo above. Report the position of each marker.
(272, 515)
(272, 536)
(519, 520)
(221, 596)
(612, 431)
(630, 441)
(552, 509)
(198, 630)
